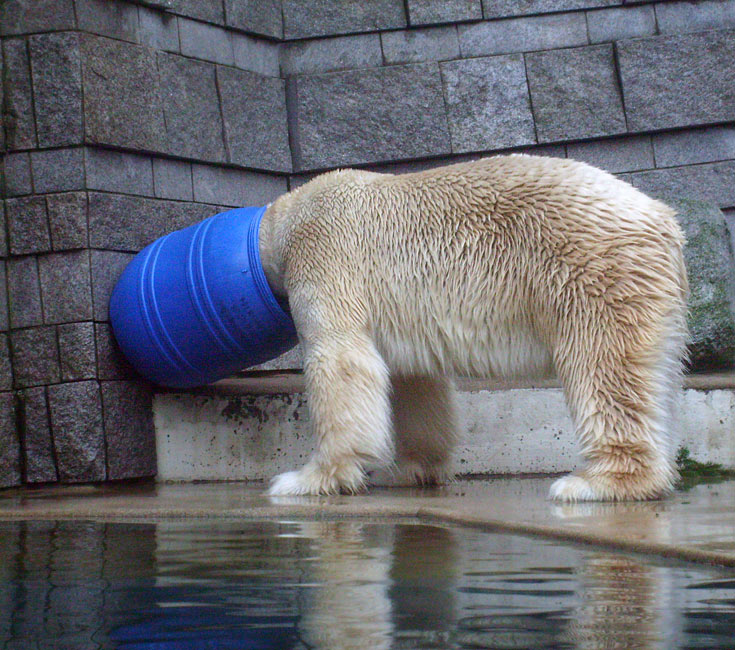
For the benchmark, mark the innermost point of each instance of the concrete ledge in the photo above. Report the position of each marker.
(253, 428)
(693, 526)
(274, 382)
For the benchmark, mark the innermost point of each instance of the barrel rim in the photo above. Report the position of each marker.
(261, 282)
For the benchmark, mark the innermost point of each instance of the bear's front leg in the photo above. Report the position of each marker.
(347, 384)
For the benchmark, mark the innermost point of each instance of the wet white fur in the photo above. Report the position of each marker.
(506, 266)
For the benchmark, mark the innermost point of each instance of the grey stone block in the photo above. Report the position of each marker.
(58, 170)
(28, 16)
(24, 292)
(427, 12)
(113, 19)
(712, 183)
(128, 411)
(235, 188)
(363, 116)
(332, 17)
(487, 103)
(729, 215)
(211, 12)
(66, 289)
(694, 146)
(106, 269)
(500, 8)
(414, 46)
(671, 81)
(191, 107)
(20, 128)
(617, 23)
(327, 54)
(17, 174)
(711, 270)
(35, 356)
(3, 229)
(203, 41)
(163, 5)
(546, 150)
(67, 214)
(259, 16)
(297, 180)
(6, 113)
(37, 444)
(522, 34)
(57, 88)
(77, 351)
(254, 111)
(122, 103)
(158, 30)
(9, 443)
(127, 223)
(6, 371)
(575, 93)
(4, 322)
(256, 54)
(115, 171)
(679, 17)
(177, 215)
(111, 363)
(172, 179)
(76, 421)
(615, 155)
(291, 360)
(27, 225)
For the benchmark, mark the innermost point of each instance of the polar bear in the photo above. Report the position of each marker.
(501, 267)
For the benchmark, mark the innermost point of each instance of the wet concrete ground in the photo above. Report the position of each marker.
(695, 525)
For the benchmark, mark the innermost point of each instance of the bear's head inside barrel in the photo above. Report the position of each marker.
(195, 306)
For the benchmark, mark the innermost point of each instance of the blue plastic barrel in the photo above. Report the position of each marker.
(195, 305)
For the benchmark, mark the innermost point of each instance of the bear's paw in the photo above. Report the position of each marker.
(572, 489)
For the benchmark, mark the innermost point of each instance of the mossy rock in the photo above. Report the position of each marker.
(711, 269)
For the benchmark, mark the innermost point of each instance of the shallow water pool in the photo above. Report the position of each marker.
(342, 584)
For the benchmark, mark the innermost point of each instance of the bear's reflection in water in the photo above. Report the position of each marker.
(342, 584)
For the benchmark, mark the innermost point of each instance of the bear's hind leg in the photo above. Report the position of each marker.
(347, 385)
(425, 429)
(620, 387)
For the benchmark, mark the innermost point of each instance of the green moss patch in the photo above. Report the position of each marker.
(692, 472)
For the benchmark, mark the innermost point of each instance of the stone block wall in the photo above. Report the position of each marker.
(124, 120)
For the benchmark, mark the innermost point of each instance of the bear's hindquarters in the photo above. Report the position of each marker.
(620, 363)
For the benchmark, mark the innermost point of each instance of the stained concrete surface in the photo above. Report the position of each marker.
(694, 525)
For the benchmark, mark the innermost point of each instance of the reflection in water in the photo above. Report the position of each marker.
(621, 600)
(56, 581)
(424, 575)
(347, 606)
(338, 585)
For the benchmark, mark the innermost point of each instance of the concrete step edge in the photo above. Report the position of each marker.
(278, 382)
